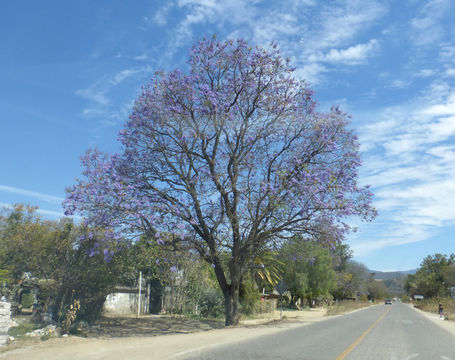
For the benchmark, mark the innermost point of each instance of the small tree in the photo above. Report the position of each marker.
(230, 157)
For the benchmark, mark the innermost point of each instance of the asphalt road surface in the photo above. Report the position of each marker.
(392, 332)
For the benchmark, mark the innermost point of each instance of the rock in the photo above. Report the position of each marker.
(12, 324)
(49, 330)
(80, 326)
(3, 339)
(46, 318)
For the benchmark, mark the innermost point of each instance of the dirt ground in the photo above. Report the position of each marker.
(155, 337)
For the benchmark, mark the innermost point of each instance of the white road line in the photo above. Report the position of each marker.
(411, 357)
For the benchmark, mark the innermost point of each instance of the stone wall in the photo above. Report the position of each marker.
(5, 320)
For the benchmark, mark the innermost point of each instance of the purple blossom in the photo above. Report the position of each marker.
(250, 172)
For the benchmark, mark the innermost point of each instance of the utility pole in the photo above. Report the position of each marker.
(140, 290)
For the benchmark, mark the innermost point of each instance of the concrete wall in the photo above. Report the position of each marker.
(5, 320)
(125, 302)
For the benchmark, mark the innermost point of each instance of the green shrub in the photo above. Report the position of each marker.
(22, 329)
(250, 297)
(212, 303)
(28, 299)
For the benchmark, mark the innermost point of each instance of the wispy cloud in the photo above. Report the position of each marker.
(33, 194)
(161, 15)
(47, 213)
(95, 93)
(352, 55)
(398, 236)
(410, 162)
(425, 73)
(329, 38)
(427, 27)
(100, 93)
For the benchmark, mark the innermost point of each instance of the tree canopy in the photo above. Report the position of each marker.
(230, 156)
(434, 278)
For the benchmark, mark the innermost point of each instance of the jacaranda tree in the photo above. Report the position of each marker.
(226, 159)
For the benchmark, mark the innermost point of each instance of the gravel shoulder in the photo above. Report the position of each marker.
(173, 338)
(447, 325)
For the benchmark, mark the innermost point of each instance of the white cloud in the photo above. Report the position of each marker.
(399, 83)
(122, 75)
(410, 163)
(141, 57)
(311, 35)
(95, 95)
(425, 73)
(48, 213)
(34, 194)
(446, 108)
(398, 236)
(427, 28)
(108, 112)
(352, 55)
(447, 53)
(160, 17)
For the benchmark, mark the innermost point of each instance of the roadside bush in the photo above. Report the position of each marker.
(432, 305)
(27, 300)
(58, 261)
(212, 303)
(250, 297)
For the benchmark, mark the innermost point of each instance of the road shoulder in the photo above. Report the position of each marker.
(447, 325)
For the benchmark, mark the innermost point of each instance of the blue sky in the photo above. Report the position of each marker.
(70, 71)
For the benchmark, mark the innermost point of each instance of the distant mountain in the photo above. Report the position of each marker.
(386, 275)
(393, 280)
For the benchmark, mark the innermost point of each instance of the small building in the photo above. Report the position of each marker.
(125, 301)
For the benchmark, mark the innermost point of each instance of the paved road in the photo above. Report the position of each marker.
(392, 332)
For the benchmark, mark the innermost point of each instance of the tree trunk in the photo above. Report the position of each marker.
(231, 303)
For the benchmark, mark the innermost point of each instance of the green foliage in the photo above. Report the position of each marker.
(22, 329)
(432, 305)
(59, 261)
(201, 292)
(434, 277)
(70, 316)
(268, 269)
(351, 280)
(28, 300)
(309, 271)
(250, 296)
(342, 254)
(377, 290)
(211, 303)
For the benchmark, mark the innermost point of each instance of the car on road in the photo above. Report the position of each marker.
(388, 302)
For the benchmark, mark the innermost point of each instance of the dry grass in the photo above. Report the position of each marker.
(432, 305)
(346, 306)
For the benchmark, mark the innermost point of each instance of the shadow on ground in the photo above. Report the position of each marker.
(112, 327)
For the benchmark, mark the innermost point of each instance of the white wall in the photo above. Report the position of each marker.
(125, 303)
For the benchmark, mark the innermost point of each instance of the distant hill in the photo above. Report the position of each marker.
(387, 275)
(393, 280)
